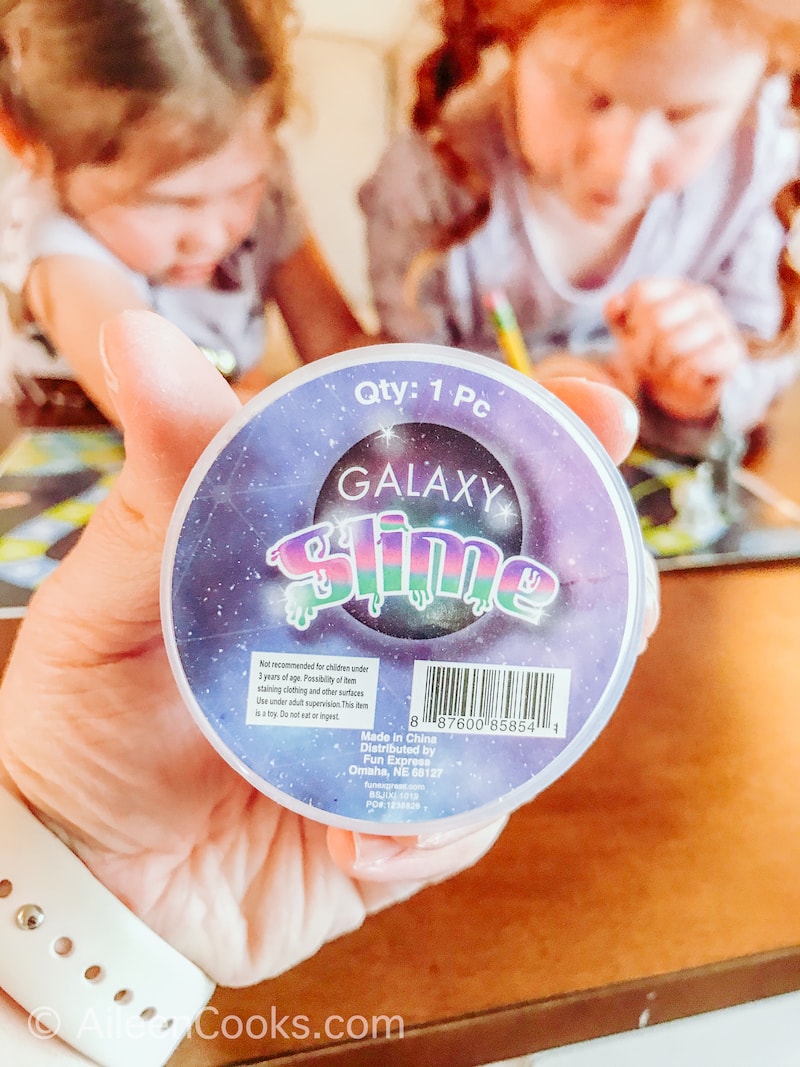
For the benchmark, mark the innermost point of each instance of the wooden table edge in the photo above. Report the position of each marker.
(534, 1026)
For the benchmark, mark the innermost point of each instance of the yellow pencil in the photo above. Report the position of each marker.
(509, 335)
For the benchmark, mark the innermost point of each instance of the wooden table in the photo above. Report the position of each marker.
(660, 877)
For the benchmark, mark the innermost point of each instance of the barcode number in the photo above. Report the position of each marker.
(463, 698)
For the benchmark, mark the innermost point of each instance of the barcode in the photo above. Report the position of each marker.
(473, 697)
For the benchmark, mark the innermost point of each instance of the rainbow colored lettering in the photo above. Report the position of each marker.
(384, 556)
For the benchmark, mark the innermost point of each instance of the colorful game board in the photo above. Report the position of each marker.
(51, 481)
(699, 515)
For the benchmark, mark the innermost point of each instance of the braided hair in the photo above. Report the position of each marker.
(469, 28)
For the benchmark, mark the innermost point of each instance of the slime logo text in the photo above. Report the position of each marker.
(384, 556)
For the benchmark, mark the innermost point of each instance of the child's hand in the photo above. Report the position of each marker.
(679, 341)
(568, 365)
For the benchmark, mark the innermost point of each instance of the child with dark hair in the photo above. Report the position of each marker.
(154, 179)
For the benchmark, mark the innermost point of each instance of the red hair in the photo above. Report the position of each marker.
(471, 27)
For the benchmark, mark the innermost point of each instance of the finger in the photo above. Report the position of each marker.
(170, 401)
(643, 291)
(652, 291)
(569, 366)
(717, 357)
(622, 309)
(678, 311)
(687, 301)
(702, 340)
(616, 311)
(373, 858)
(706, 369)
(683, 347)
(608, 413)
(635, 335)
(634, 319)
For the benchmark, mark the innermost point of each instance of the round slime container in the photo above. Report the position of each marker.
(403, 589)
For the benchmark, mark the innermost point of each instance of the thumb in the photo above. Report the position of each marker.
(170, 402)
(608, 413)
(373, 858)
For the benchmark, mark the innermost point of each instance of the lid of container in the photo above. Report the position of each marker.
(403, 589)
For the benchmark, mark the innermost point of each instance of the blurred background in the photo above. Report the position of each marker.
(353, 64)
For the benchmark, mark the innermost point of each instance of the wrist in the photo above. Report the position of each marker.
(682, 436)
(79, 962)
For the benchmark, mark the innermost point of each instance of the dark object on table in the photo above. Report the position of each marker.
(54, 402)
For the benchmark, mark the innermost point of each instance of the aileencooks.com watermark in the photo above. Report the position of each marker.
(212, 1025)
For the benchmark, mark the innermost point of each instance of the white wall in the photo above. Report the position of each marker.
(334, 137)
(352, 60)
(379, 21)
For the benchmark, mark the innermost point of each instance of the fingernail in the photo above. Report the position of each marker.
(630, 415)
(112, 381)
(628, 411)
(373, 852)
(439, 840)
(449, 837)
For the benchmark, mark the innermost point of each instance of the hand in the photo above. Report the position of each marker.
(94, 735)
(567, 365)
(606, 372)
(678, 340)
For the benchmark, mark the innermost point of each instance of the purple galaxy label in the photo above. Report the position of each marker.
(404, 590)
(439, 548)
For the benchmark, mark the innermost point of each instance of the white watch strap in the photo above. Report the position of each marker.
(80, 962)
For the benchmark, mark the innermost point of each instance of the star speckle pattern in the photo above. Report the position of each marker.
(566, 502)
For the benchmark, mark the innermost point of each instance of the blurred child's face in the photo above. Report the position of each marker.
(610, 112)
(176, 229)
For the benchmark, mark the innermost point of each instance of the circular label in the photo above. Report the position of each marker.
(403, 586)
(416, 472)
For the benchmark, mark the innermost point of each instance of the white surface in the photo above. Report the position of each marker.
(381, 21)
(334, 136)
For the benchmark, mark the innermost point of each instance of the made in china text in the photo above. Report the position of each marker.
(382, 555)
